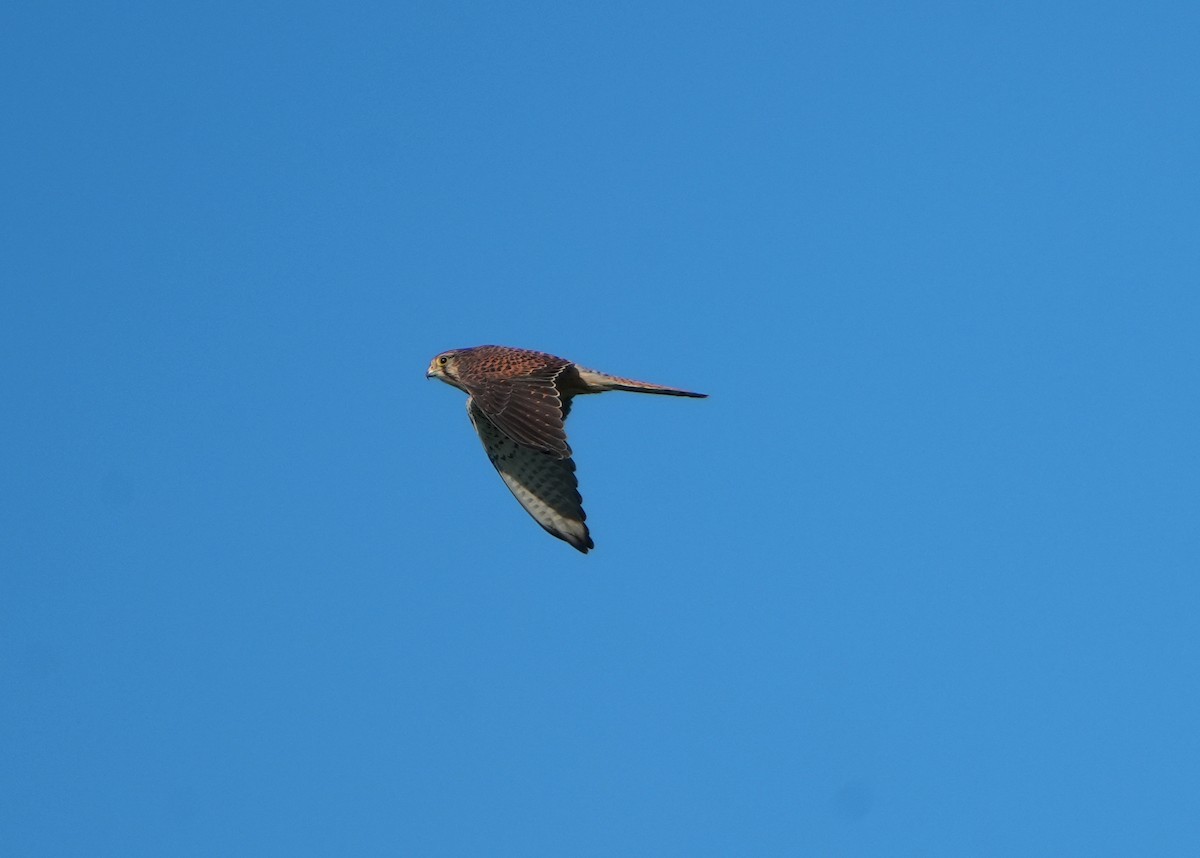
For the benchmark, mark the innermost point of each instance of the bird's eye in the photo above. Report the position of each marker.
(442, 360)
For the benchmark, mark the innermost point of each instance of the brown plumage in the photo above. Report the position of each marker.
(518, 401)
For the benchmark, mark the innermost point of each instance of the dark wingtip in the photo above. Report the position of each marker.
(582, 545)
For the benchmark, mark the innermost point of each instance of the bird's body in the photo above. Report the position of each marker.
(518, 401)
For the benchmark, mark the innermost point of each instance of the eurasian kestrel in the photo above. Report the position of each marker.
(518, 401)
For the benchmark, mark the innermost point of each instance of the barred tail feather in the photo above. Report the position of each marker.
(598, 382)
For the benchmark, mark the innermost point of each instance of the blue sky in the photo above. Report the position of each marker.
(920, 577)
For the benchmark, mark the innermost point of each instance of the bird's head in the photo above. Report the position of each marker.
(444, 367)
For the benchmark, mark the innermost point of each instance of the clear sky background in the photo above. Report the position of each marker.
(920, 577)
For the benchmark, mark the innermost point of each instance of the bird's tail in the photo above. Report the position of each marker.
(598, 382)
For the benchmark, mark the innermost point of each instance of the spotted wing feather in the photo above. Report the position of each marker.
(519, 393)
(543, 483)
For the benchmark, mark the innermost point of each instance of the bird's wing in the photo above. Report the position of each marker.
(543, 483)
(529, 409)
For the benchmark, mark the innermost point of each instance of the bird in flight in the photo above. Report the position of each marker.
(518, 401)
